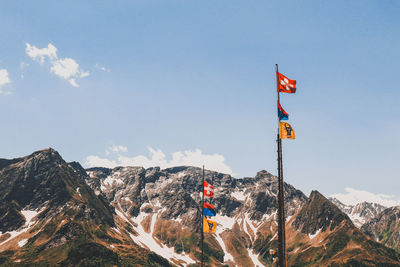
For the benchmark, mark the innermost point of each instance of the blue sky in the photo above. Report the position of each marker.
(196, 78)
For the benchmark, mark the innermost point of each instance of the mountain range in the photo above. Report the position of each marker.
(54, 213)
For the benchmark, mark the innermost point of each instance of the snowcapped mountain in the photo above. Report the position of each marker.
(56, 213)
(170, 198)
(361, 212)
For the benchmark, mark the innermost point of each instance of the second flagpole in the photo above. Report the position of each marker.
(202, 220)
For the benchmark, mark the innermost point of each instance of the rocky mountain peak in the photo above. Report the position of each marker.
(46, 155)
(319, 214)
(263, 174)
(41, 181)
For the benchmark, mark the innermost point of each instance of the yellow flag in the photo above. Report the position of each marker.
(286, 131)
(209, 226)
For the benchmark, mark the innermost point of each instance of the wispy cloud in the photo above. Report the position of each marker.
(116, 149)
(4, 80)
(353, 196)
(65, 68)
(156, 157)
(23, 66)
(97, 66)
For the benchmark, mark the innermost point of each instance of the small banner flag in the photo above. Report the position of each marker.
(286, 131)
(208, 209)
(209, 226)
(282, 114)
(208, 189)
(286, 85)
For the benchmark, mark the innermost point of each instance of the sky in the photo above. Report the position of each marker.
(186, 82)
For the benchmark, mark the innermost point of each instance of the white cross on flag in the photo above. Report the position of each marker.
(208, 189)
(286, 85)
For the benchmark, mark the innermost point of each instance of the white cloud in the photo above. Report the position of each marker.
(354, 196)
(95, 161)
(215, 162)
(4, 79)
(40, 54)
(65, 68)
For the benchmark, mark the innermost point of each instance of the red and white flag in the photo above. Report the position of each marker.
(208, 189)
(286, 85)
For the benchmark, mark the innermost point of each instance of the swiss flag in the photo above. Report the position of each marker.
(208, 189)
(286, 85)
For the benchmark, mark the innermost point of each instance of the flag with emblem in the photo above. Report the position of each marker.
(286, 131)
(209, 226)
(208, 189)
(286, 85)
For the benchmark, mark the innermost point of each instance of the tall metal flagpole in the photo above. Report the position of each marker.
(281, 200)
(202, 220)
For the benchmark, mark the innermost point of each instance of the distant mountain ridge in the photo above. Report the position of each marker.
(377, 221)
(56, 213)
(361, 212)
(385, 227)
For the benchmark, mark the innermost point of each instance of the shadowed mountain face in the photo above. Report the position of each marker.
(43, 181)
(56, 213)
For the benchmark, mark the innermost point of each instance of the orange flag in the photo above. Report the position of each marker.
(286, 131)
(209, 226)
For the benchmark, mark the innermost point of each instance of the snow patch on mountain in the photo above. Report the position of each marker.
(254, 258)
(357, 219)
(224, 221)
(79, 193)
(116, 230)
(311, 236)
(22, 242)
(147, 240)
(29, 216)
(239, 195)
(110, 180)
(228, 256)
(251, 225)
